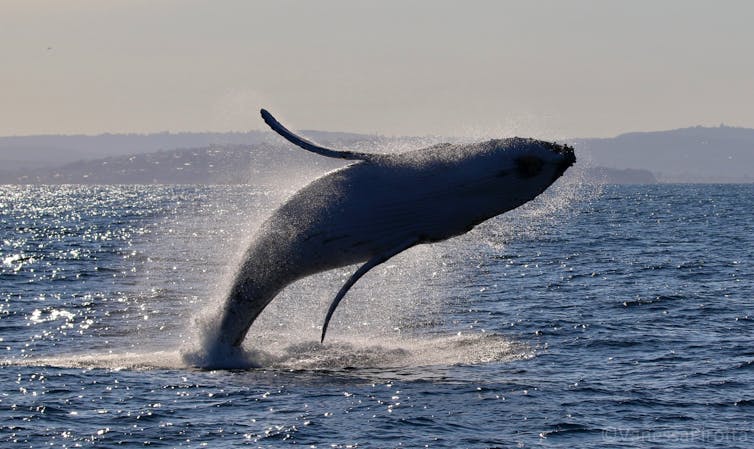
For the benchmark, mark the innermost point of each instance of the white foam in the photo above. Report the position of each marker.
(466, 349)
(110, 360)
(472, 349)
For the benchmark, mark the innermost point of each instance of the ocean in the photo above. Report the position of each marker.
(595, 316)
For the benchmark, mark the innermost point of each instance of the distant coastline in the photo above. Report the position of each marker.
(687, 155)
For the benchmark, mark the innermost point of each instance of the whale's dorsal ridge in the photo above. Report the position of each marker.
(311, 146)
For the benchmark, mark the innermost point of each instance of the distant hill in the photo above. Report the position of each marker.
(722, 154)
(259, 164)
(32, 152)
(698, 154)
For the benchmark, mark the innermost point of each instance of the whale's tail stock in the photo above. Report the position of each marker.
(246, 299)
(222, 332)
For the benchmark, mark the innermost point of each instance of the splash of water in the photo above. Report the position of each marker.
(360, 353)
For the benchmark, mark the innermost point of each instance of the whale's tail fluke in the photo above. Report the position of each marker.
(311, 146)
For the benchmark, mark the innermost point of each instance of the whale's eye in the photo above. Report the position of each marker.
(529, 166)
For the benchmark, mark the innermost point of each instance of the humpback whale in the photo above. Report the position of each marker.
(380, 206)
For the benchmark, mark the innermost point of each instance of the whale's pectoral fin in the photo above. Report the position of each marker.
(311, 146)
(373, 262)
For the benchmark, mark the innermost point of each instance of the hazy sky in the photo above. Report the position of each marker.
(413, 67)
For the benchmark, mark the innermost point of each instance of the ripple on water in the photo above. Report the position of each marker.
(626, 325)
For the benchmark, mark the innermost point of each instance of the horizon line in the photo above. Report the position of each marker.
(722, 125)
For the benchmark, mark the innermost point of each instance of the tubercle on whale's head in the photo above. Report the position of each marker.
(568, 157)
(564, 150)
(534, 155)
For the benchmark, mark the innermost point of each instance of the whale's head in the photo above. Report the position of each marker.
(539, 159)
(500, 175)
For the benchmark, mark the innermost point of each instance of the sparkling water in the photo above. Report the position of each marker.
(619, 316)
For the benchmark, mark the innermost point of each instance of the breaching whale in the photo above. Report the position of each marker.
(379, 206)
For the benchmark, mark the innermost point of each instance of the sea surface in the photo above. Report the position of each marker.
(596, 316)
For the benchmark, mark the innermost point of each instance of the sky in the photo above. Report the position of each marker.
(560, 68)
